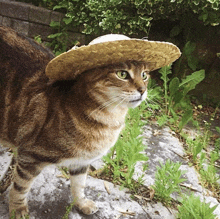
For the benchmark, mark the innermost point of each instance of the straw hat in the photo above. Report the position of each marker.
(109, 49)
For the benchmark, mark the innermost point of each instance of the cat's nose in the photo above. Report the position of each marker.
(141, 89)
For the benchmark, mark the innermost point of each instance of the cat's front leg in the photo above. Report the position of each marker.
(78, 177)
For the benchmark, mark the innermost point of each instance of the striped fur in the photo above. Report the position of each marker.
(69, 123)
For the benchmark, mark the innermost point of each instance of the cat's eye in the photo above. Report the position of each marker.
(122, 74)
(144, 75)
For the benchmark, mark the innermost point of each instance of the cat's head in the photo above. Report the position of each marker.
(120, 85)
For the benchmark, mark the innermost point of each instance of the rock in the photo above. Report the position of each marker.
(47, 199)
(162, 145)
(50, 194)
(5, 161)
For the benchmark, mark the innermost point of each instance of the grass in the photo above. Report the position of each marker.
(193, 208)
(68, 210)
(120, 162)
(13, 216)
(167, 181)
(129, 149)
(168, 178)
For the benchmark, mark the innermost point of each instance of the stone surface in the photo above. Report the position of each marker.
(39, 15)
(76, 36)
(56, 16)
(162, 144)
(14, 10)
(50, 193)
(37, 29)
(6, 21)
(21, 26)
(5, 160)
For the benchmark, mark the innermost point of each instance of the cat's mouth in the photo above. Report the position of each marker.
(136, 100)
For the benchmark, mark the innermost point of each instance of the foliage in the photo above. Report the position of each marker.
(196, 145)
(130, 16)
(127, 151)
(43, 3)
(209, 173)
(13, 216)
(175, 95)
(60, 39)
(68, 210)
(187, 54)
(217, 141)
(193, 208)
(167, 181)
(133, 16)
(204, 163)
(38, 39)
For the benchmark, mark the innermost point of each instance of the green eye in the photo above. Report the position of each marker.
(144, 75)
(122, 74)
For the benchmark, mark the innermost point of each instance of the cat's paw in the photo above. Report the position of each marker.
(19, 213)
(87, 206)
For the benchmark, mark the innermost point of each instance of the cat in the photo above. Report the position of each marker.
(68, 123)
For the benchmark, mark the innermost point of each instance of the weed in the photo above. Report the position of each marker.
(13, 216)
(127, 151)
(217, 141)
(60, 40)
(68, 210)
(176, 100)
(65, 172)
(195, 147)
(208, 173)
(209, 177)
(167, 181)
(193, 208)
(38, 39)
(153, 101)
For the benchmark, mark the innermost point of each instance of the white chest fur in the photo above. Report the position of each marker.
(99, 149)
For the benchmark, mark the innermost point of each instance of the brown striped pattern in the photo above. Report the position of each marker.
(58, 122)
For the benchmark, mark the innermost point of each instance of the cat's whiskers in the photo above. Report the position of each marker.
(106, 104)
(147, 101)
(123, 99)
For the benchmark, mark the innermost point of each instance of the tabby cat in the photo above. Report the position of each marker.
(68, 123)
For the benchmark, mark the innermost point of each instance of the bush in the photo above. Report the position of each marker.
(133, 16)
(130, 16)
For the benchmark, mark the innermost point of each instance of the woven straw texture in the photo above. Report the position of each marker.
(70, 64)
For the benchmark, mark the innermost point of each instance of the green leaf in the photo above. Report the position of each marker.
(187, 116)
(178, 97)
(189, 48)
(192, 207)
(165, 71)
(52, 36)
(67, 20)
(192, 80)
(192, 62)
(175, 31)
(54, 24)
(58, 7)
(174, 86)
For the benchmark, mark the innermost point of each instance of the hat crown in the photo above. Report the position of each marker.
(109, 38)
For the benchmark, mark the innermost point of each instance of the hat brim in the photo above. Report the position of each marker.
(70, 64)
